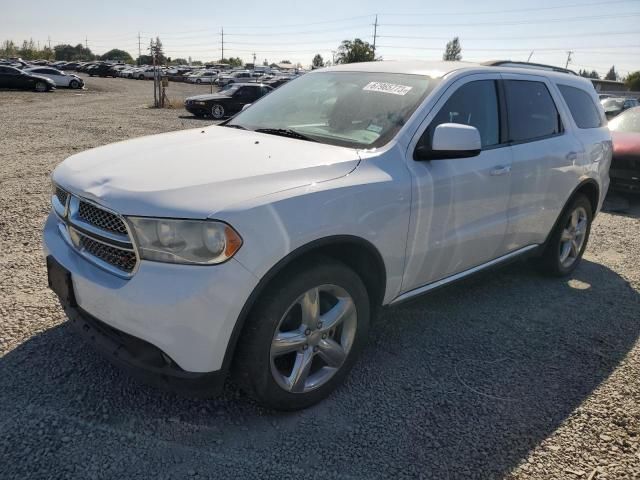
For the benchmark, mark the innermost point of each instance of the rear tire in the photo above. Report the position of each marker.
(324, 342)
(569, 239)
(41, 87)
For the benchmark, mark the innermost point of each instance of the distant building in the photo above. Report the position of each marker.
(608, 85)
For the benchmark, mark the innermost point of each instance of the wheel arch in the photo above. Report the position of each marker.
(587, 187)
(357, 253)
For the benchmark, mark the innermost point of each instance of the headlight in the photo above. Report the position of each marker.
(201, 242)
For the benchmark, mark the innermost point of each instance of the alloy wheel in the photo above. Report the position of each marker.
(573, 236)
(313, 339)
(41, 87)
(217, 111)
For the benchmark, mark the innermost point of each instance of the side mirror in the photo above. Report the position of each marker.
(244, 107)
(451, 140)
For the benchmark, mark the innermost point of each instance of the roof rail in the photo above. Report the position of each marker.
(537, 66)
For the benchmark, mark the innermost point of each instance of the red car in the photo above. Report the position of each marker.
(625, 165)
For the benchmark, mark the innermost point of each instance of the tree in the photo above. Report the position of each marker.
(285, 61)
(144, 60)
(355, 51)
(453, 51)
(180, 61)
(69, 53)
(633, 81)
(232, 61)
(155, 48)
(317, 62)
(117, 55)
(611, 74)
(588, 74)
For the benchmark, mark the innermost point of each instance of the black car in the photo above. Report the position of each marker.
(11, 77)
(102, 70)
(226, 102)
(616, 105)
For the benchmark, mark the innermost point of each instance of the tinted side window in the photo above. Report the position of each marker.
(475, 104)
(531, 111)
(582, 108)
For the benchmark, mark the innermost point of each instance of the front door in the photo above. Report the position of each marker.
(459, 206)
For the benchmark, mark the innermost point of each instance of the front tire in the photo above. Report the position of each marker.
(41, 87)
(217, 111)
(74, 84)
(304, 335)
(198, 81)
(569, 239)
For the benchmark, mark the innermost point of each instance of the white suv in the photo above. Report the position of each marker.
(265, 245)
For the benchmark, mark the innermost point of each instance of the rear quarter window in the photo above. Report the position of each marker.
(581, 106)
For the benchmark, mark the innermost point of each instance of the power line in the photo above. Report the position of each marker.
(519, 22)
(514, 10)
(528, 37)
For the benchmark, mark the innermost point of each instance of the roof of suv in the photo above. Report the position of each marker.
(438, 69)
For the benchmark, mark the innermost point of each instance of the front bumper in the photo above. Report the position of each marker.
(187, 312)
(198, 110)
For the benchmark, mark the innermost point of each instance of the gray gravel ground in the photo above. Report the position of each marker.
(508, 375)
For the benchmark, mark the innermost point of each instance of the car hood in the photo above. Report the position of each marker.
(210, 96)
(626, 144)
(196, 173)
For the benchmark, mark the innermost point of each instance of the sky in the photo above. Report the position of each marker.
(599, 33)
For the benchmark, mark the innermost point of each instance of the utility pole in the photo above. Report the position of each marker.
(254, 61)
(49, 40)
(222, 36)
(375, 35)
(333, 57)
(568, 58)
(139, 49)
(86, 43)
(530, 55)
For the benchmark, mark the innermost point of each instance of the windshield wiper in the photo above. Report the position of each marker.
(285, 132)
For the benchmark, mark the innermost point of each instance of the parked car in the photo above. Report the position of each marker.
(268, 243)
(61, 79)
(102, 70)
(616, 105)
(203, 76)
(226, 102)
(14, 78)
(625, 165)
(234, 77)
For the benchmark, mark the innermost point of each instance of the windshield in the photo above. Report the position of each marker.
(353, 109)
(628, 121)
(229, 90)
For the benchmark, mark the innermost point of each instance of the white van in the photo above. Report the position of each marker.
(265, 245)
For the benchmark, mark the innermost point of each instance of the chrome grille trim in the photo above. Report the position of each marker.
(106, 247)
(101, 218)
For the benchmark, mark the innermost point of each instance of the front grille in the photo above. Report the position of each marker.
(101, 218)
(62, 195)
(99, 235)
(122, 259)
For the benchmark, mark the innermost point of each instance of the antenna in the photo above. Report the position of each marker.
(530, 55)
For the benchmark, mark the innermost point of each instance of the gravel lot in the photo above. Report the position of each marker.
(507, 375)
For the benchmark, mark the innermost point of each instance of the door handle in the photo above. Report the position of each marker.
(500, 170)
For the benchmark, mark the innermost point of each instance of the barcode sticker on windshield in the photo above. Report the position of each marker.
(387, 88)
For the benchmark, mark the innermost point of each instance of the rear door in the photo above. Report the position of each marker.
(545, 154)
(10, 77)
